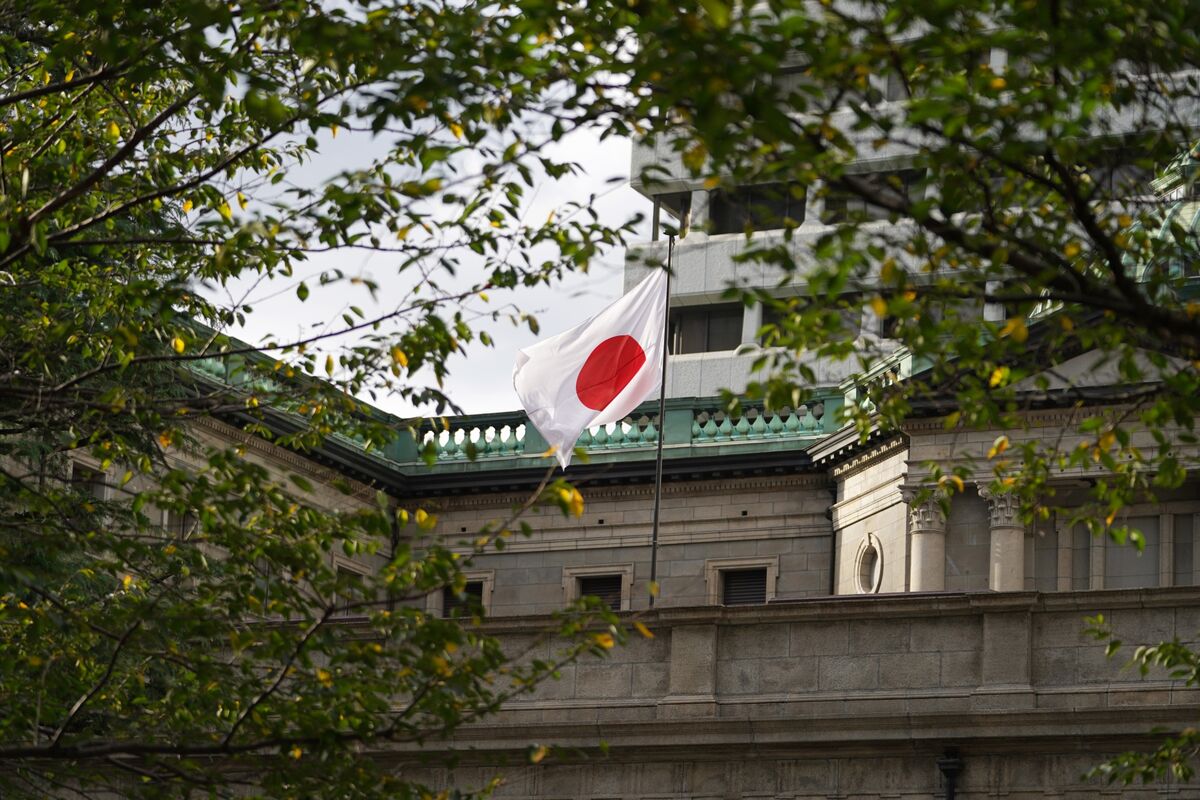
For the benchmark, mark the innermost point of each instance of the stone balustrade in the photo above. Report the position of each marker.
(493, 436)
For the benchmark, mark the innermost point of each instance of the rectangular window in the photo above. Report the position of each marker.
(844, 206)
(1124, 566)
(1081, 558)
(761, 207)
(1184, 549)
(349, 592)
(467, 604)
(180, 526)
(706, 329)
(606, 587)
(88, 481)
(744, 587)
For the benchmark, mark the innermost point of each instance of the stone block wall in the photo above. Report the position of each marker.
(780, 521)
(846, 698)
(871, 512)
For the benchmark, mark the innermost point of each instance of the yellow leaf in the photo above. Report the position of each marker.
(643, 630)
(573, 501)
(126, 581)
(1067, 323)
(694, 157)
(333, 130)
(296, 752)
(402, 233)
(456, 129)
(1106, 440)
(538, 753)
(164, 438)
(1072, 249)
(1017, 329)
(241, 198)
(114, 131)
(879, 306)
(999, 375)
(399, 357)
(225, 211)
(329, 365)
(887, 273)
(654, 588)
(187, 206)
(998, 446)
(604, 640)
(325, 677)
(712, 182)
(177, 344)
(999, 83)
(483, 296)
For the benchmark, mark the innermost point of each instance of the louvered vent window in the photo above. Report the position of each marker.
(606, 587)
(465, 604)
(744, 587)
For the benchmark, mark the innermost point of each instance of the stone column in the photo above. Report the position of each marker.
(927, 529)
(1006, 560)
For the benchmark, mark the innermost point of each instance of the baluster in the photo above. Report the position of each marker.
(450, 446)
(742, 429)
(758, 425)
(584, 440)
(650, 433)
(600, 437)
(724, 427)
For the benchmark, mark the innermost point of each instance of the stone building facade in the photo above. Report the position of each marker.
(822, 631)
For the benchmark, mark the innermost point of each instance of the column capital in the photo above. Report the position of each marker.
(1004, 508)
(925, 516)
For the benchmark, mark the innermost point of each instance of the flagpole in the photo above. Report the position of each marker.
(662, 423)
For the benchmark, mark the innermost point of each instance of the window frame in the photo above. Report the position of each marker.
(433, 600)
(675, 321)
(714, 579)
(341, 564)
(571, 580)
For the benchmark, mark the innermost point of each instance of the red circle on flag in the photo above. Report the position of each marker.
(608, 369)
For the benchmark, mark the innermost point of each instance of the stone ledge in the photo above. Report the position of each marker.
(996, 729)
(882, 606)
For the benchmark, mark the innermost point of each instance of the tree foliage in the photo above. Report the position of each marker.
(1015, 145)
(172, 632)
(150, 150)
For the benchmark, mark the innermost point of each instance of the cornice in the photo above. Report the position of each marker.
(869, 457)
(322, 474)
(1034, 417)
(630, 491)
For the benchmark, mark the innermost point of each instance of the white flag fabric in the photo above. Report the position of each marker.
(596, 372)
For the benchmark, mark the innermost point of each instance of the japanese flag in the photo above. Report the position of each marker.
(596, 372)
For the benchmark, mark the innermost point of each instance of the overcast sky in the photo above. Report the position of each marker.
(480, 381)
